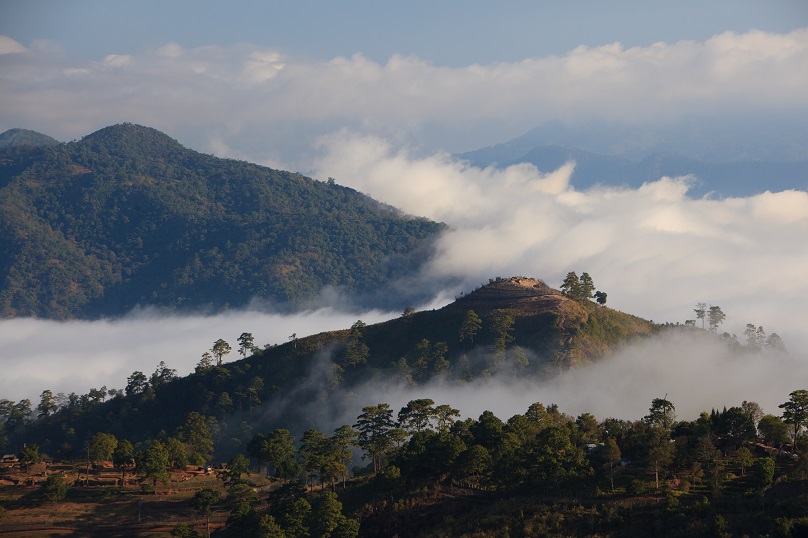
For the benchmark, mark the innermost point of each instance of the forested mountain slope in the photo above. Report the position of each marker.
(25, 137)
(516, 327)
(127, 216)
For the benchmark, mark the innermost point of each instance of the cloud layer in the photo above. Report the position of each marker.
(79, 355)
(257, 103)
(655, 251)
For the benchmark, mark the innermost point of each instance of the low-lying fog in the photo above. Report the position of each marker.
(655, 251)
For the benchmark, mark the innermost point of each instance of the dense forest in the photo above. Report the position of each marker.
(127, 216)
(423, 469)
(426, 472)
(511, 327)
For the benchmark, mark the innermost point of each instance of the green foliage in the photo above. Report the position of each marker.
(376, 432)
(55, 488)
(795, 411)
(127, 216)
(195, 432)
(278, 449)
(470, 327)
(662, 413)
(203, 501)
(101, 446)
(773, 430)
(152, 465)
(29, 455)
(184, 530)
(763, 473)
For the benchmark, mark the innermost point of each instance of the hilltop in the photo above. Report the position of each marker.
(525, 330)
(25, 137)
(128, 216)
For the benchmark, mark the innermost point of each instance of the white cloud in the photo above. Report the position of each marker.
(10, 46)
(79, 355)
(696, 375)
(250, 94)
(655, 251)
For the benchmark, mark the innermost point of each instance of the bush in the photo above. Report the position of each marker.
(184, 530)
(55, 488)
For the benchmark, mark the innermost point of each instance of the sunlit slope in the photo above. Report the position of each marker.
(127, 216)
(312, 379)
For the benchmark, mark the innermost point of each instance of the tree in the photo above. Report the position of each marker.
(47, 404)
(313, 452)
(236, 466)
(408, 311)
(246, 344)
(356, 351)
(162, 375)
(295, 518)
(343, 439)
(502, 322)
(28, 456)
(750, 332)
(55, 488)
(152, 466)
(586, 286)
(184, 530)
(278, 449)
(715, 317)
(326, 514)
(205, 363)
(662, 413)
(444, 414)
(195, 432)
(795, 411)
(470, 327)
(763, 473)
(600, 297)
(701, 312)
(553, 460)
(775, 343)
(269, 528)
(122, 457)
(136, 383)
(773, 430)
(571, 287)
(16, 414)
(375, 425)
(611, 456)
(660, 452)
(177, 453)
(203, 501)
(754, 411)
(743, 457)
(219, 350)
(736, 424)
(415, 416)
(101, 446)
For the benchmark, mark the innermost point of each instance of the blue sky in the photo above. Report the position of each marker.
(448, 33)
(379, 95)
(452, 76)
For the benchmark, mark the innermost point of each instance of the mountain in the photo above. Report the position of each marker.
(127, 216)
(741, 177)
(25, 137)
(526, 330)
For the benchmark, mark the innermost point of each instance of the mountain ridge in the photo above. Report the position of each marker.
(725, 179)
(128, 216)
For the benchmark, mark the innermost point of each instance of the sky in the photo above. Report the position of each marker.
(381, 95)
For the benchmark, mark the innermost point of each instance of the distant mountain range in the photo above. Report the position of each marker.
(736, 175)
(127, 216)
